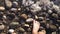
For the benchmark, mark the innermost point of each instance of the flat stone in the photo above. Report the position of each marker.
(29, 20)
(21, 29)
(8, 3)
(24, 16)
(2, 8)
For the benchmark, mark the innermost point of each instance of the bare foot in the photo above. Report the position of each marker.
(36, 26)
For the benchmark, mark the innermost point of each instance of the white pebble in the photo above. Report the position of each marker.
(11, 30)
(29, 20)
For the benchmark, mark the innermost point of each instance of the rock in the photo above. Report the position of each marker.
(2, 26)
(14, 23)
(53, 32)
(49, 11)
(3, 33)
(15, 4)
(35, 8)
(40, 18)
(21, 29)
(27, 2)
(24, 16)
(36, 17)
(8, 3)
(55, 15)
(53, 27)
(4, 16)
(26, 25)
(19, 9)
(29, 29)
(2, 8)
(56, 8)
(13, 9)
(29, 20)
(11, 30)
(58, 20)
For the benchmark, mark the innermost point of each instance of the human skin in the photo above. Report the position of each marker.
(36, 26)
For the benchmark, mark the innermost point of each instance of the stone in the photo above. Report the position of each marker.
(26, 25)
(15, 4)
(19, 9)
(27, 2)
(4, 16)
(53, 32)
(35, 8)
(55, 15)
(53, 27)
(14, 23)
(29, 20)
(36, 17)
(13, 9)
(56, 7)
(8, 3)
(21, 29)
(11, 30)
(3, 33)
(49, 11)
(2, 26)
(2, 8)
(24, 16)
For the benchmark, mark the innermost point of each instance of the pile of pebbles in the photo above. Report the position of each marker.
(17, 16)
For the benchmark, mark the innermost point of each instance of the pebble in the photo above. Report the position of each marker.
(19, 9)
(4, 16)
(24, 16)
(11, 30)
(50, 11)
(15, 23)
(29, 20)
(53, 27)
(2, 8)
(36, 17)
(15, 4)
(13, 9)
(26, 25)
(21, 29)
(8, 3)
(55, 15)
(53, 32)
(56, 7)
(35, 8)
(2, 26)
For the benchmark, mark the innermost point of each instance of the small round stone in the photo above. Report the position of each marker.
(2, 8)
(2, 26)
(29, 20)
(11, 30)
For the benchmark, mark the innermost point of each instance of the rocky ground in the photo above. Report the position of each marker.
(17, 16)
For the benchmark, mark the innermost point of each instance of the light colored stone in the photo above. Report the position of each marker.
(13, 9)
(8, 3)
(21, 29)
(19, 9)
(26, 25)
(49, 11)
(14, 23)
(2, 27)
(53, 32)
(15, 2)
(2, 8)
(24, 16)
(29, 20)
(11, 30)
(35, 8)
(56, 7)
